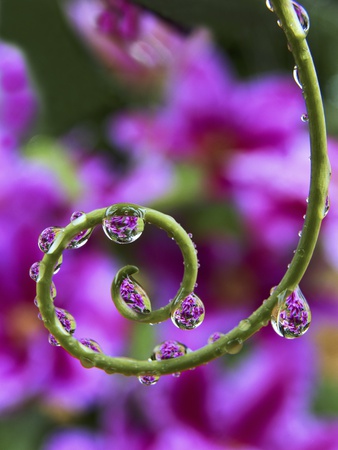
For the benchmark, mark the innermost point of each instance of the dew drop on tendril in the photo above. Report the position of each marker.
(326, 207)
(244, 325)
(234, 346)
(82, 238)
(214, 337)
(269, 6)
(34, 271)
(303, 16)
(291, 317)
(123, 229)
(148, 380)
(91, 344)
(304, 118)
(189, 314)
(135, 296)
(53, 341)
(66, 320)
(48, 237)
(168, 349)
(295, 75)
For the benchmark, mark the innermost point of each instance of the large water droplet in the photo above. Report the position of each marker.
(295, 75)
(91, 344)
(214, 337)
(189, 314)
(82, 238)
(326, 207)
(135, 296)
(291, 317)
(168, 349)
(123, 229)
(148, 380)
(66, 320)
(303, 16)
(47, 238)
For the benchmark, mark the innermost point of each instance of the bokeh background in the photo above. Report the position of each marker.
(189, 107)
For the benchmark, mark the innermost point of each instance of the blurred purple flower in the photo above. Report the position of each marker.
(18, 103)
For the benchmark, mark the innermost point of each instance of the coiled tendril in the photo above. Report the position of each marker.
(286, 306)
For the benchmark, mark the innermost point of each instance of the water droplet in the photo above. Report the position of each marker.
(304, 217)
(279, 23)
(52, 290)
(234, 346)
(304, 118)
(87, 363)
(269, 6)
(53, 341)
(326, 206)
(123, 229)
(168, 349)
(82, 238)
(300, 233)
(176, 374)
(189, 314)
(244, 325)
(91, 344)
(36, 302)
(214, 337)
(66, 320)
(303, 17)
(47, 238)
(34, 271)
(307, 200)
(148, 380)
(58, 265)
(295, 75)
(291, 317)
(190, 235)
(135, 296)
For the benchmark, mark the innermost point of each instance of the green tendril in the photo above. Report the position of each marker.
(233, 340)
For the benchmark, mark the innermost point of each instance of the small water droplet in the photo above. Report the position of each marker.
(234, 346)
(34, 271)
(326, 206)
(53, 341)
(176, 374)
(244, 325)
(47, 238)
(66, 320)
(304, 118)
(87, 363)
(189, 314)
(148, 380)
(214, 337)
(279, 23)
(58, 265)
(190, 235)
(36, 302)
(291, 317)
(82, 238)
(168, 349)
(303, 16)
(304, 217)
(269, 6)
(300, 233)
(53, 290)
(307, 200)
(301, 252)
(91, 344)
(123, 229)
(295, 75)
(135, 296)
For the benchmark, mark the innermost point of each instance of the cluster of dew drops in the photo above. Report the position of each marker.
(121, 229)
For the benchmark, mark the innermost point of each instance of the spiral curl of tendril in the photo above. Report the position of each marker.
(232, 341)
